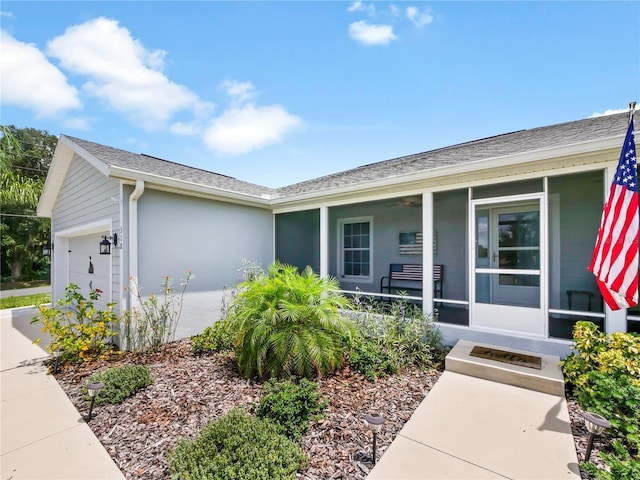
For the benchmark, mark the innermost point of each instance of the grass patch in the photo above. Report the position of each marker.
(25, 300)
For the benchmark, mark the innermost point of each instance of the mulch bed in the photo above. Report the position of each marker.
(189, 390)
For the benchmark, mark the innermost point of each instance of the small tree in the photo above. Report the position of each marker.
(289, 324)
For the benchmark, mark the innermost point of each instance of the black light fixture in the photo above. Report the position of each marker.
(374, 421)
(46, 251)
(105, 244)
(57, 353)
(94, 389)
(596, 425)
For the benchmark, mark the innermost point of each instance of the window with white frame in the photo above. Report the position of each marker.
(355, 239)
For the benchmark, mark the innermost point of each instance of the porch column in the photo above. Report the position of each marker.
(324, 241)
(427, 252)
(615, 320)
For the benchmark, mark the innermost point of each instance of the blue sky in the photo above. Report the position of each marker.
(280, 92)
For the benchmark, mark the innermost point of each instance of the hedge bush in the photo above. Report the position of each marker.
(236, 446)
(291, 405)
(220, 337)
(120, 383)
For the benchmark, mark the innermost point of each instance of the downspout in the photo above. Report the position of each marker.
(133, 228)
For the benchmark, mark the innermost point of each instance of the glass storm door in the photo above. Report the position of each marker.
(508, 266)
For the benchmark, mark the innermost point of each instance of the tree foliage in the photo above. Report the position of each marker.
(25, 156)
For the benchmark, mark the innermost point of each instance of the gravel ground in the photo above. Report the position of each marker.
(190, 390)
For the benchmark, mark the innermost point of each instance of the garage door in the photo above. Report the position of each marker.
(87, 268)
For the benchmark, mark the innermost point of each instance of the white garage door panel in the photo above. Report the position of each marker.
(84, 251)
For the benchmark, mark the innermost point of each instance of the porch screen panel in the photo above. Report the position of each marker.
(450, 251)
(575, 210)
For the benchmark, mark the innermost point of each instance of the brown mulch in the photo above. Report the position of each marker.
(189, 390)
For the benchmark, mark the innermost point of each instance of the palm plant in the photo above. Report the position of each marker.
(289, 324)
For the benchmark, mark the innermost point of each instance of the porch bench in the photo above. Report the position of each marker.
(410, 272)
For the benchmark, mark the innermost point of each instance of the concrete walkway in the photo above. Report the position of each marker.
(473, 428)
(42, 435)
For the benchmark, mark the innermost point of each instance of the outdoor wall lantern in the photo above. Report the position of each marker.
(94, 389)
(374, 421)
(105, 244)
(46, 251)
(596, 425)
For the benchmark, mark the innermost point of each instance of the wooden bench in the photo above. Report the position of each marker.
(410, 272)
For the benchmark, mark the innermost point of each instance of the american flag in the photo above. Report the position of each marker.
(615, 257)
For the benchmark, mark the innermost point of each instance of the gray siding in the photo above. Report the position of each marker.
(86, 197)
(178, 233)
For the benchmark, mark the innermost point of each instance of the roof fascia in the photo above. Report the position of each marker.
(590, 146)
(184, 187)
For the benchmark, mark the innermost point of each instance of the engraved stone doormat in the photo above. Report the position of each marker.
(503, 356)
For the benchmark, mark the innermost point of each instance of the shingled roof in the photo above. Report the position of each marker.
(163, 168)
(521, 141)
(502, 145)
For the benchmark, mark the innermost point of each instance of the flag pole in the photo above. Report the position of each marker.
(632, 109)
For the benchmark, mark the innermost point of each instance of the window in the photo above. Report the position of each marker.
(355, 248)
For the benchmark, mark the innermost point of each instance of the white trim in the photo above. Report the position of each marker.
(86, 229)
(340, 252)
(427, 252)
(324, 241)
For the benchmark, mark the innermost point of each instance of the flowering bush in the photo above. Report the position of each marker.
(78, 329)
(152, 324)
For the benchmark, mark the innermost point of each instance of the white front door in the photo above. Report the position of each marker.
(508, 264)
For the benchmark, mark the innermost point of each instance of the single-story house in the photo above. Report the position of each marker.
(503, 228)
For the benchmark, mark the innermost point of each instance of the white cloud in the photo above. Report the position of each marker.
(186, 128)
(395, 11)
(239, 92)
(78, 123)
(6, 14)
(371, 34)
(359, 6)
(417, 18)
(29, 80)
(610, 111)
(123, 73)
(242, 130)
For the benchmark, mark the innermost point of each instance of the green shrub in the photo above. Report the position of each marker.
(391, 337)
(236, 446)
(220, 337)
(120, 383)
(291, 405)
(370, 358)
(620, 465)
(617, 353)
(289, 324)
(77, 327)
(616, 399)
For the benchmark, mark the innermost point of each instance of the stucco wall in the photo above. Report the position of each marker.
(178, 233)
